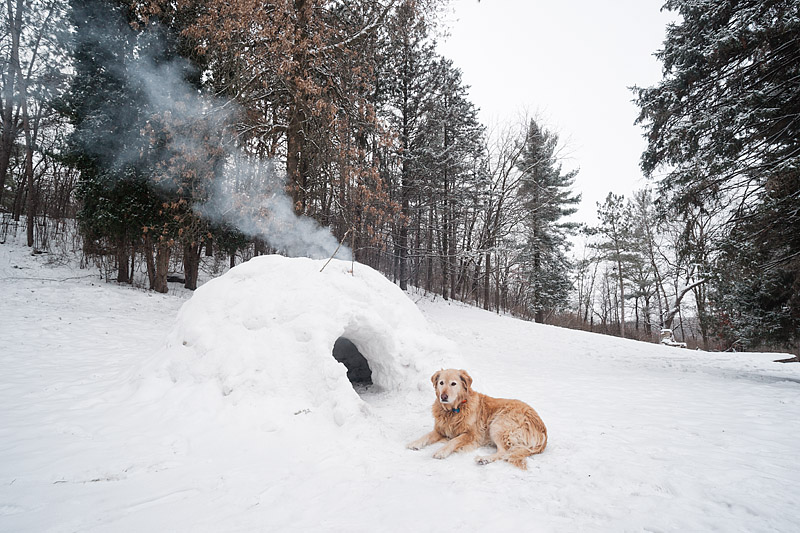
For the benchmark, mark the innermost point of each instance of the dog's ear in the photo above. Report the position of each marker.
(435, 378)
(466, 379)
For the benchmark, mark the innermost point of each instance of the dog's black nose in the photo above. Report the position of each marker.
(444, 397)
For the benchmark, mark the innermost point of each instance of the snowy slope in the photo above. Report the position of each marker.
(641, 437)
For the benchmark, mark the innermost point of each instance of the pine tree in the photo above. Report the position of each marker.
(725, 123)
(410, 83)
(726, 114)
(547, 198)
(754, 293)
(102, 103)
(454, 145)
(147, 148)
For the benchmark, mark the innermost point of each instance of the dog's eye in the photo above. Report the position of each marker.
(441, 383)
(453, 384)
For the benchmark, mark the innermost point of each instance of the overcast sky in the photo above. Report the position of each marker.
(569, 63)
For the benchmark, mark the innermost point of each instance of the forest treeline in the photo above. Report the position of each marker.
(174, 131)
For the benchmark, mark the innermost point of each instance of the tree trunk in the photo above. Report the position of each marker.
(296, 158)
(430, 250)
(402, 256)
(132, 262)
(30, 205)
(487, 302)
(537, 272)
(148, 258)
(6, 144)
(402, 234)
(8, 132)
(702, 313)
(161, 268)
(19, 201)
(670, 316)
(259, 247)
(621, 297)
(452, 263)
(30, 137)
(191, 264)
(122, 261)
(416, 264)
(445, 238)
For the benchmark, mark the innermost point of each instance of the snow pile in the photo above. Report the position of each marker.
(263, 334)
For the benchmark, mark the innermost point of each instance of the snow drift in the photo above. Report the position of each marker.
(264, 333)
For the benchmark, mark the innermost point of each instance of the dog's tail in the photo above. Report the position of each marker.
(536, 431)
(533, 441)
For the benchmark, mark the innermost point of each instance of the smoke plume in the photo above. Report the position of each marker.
(247, 193)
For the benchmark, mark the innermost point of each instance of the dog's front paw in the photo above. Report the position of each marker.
(413, 446)
(482, 460)
(441, 454)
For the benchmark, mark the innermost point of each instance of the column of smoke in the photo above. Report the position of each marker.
(253, 200)
(250, 195)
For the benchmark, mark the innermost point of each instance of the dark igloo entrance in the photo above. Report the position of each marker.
(358, 371)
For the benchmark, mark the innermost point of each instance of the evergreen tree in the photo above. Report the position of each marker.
(756, 295)
(547, 198)
(454, 145)
(102, 103)
(145, 143)
(725, 122)
(410, 87)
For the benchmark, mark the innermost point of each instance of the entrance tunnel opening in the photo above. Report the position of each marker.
(358, 371)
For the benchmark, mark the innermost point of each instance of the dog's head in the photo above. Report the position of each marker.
(452, 386)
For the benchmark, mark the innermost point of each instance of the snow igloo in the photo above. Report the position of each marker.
(287, 333)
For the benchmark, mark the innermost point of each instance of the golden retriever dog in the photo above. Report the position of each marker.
(469, 419)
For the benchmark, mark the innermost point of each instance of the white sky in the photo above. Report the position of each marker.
(568, 63)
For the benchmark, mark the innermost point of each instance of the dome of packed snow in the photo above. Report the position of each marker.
(266, 332)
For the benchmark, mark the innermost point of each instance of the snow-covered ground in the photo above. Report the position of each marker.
(642, 437)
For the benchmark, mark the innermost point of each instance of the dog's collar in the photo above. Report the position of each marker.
(458, 409)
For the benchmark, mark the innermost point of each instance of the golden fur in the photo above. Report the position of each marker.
(467, 420)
